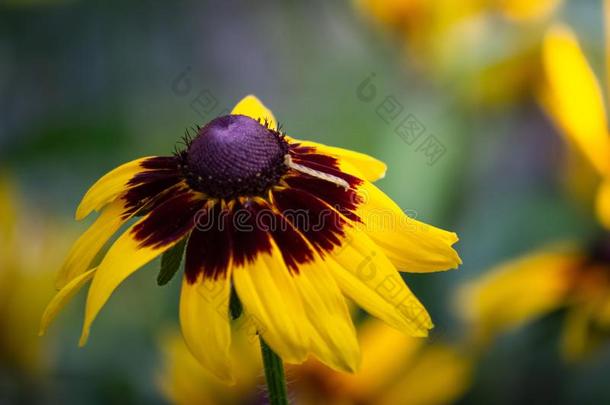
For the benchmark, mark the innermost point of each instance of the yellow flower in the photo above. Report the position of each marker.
(526, 289)
(183, 381)
(284, 226)
(394, 368)
(573, 99)
(28, 244)
(487, 51)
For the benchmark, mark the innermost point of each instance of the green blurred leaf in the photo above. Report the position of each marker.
(170, 262)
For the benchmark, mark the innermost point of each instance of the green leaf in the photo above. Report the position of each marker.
(235, 308)
(170, 262)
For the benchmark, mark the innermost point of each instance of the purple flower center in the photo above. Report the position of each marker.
(233, 156)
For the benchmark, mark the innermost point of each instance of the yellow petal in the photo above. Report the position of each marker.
(367, 166)
(64, 296)
(365, 274)
(573, 97)
(204, 318)
(334, 339)
(89, 244)
(252, 107)
(109, 187)
(272, 304)
(517, 292)
(602, 203)
(123, 258)
(411, 245)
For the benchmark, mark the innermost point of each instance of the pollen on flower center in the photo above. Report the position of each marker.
(235, 155)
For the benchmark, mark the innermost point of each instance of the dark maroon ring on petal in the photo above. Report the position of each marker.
(344, 201)
(310, 154)
(290, 242)
(160, 175)
(321, 225)
(249, 238)
(208, 251)
(160, 163)
(168, 222)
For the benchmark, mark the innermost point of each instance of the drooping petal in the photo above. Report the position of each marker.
(91, 242)
(370, 168)
(411, 245)
(573, 96)
(517, 292)
(252, 107)
(272, 304)
(152, 235)
(204, 318)
(334, 339)
(366, 275)
(64, 296)
(109, 187)
(121, 179)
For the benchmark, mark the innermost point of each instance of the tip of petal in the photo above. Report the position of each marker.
(84, 338)
(81, 213)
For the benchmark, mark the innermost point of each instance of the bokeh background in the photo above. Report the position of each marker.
(85, 86)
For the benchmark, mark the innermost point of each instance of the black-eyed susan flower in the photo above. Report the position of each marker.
(285, 227)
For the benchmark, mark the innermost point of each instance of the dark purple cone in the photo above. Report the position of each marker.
(234, 155)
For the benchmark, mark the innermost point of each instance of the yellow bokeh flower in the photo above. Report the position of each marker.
(395, 369)
(518, 292)
(29, 249)
(488, 51)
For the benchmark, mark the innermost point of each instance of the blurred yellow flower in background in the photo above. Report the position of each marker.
(525, 289)
(395, 369)
(488, 51)
(573, 98)
(576, 276)
(182, 380)
(30, 249)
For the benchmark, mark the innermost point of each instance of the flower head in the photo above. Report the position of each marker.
(284, 227)
(520, 291)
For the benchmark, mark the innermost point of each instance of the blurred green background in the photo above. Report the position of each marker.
(85, 86)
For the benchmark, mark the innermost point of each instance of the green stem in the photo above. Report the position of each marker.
(274, 374)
